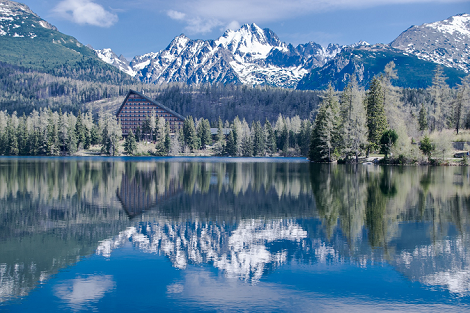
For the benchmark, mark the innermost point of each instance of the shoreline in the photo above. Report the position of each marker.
(228, 159)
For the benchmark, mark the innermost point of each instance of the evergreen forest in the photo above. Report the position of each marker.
(42, 115)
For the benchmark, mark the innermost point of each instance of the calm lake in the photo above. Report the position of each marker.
(229, 234)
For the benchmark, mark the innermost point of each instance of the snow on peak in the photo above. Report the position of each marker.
(360, 43)
(457, 23)
(250, 40)
(10, 11)
(107, 55)
(250, 55)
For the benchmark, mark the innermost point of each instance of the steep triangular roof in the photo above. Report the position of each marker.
(151, 101)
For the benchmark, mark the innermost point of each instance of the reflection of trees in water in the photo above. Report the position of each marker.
(357, 197)
(54, 211)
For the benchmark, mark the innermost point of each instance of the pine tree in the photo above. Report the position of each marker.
(80, 130)
(325, 134)
(231, 147)
(247, 146)
(353, 128)
(62, 132)
(130, 145)
(284, 140)
(204, 133)
(190, 136)
(3, 133)
(95, 135)
(304, 137)
(220, 132)
(270, 138)
(258, 139)
(23, 140)
(147, 128)
(376, 120)
(138, 134)
(167, 142)
(52, 146)
(12, 146)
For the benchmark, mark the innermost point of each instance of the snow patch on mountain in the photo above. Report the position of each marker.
(108, 56)
(12, 20)
(453, 25)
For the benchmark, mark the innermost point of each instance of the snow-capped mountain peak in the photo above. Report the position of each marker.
(17, 20)
(455, 24)
(444, 42)
(250, 39)
(178, 43)
(360, 43)
(249, 55)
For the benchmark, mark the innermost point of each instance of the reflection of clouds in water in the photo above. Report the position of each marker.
(455, 281)
(175, 288)
(80, 292)
(219, 293)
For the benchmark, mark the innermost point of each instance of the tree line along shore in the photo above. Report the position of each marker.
(347, 126)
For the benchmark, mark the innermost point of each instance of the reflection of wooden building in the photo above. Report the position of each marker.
(137, 107)
(136, 196)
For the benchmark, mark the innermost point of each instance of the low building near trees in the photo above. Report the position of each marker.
(137, 107)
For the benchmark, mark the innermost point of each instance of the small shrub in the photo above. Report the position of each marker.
(402, 159)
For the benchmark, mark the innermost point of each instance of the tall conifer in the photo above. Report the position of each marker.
(376, 120)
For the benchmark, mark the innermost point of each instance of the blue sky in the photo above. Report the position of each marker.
(140, 26)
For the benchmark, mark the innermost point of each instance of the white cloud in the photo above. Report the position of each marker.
(201, 25)
(201, 16)
(176, 15)
(233, 25)
(85, 12)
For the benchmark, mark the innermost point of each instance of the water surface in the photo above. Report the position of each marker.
(215, 234)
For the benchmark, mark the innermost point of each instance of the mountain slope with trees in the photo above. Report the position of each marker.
(28, 41)
(365, 62)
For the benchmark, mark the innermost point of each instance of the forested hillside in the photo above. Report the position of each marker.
(24, 90)
(68, 88)
(229, 101)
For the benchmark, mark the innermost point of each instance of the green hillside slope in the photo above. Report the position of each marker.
(31, 42)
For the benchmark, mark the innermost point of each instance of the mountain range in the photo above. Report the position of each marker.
(255, 56)
(250, 55)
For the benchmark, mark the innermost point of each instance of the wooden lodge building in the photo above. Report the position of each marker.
(135, 109)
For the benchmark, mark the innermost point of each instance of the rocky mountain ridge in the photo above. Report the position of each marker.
(256, 56)
(250, 55)
(445, 42)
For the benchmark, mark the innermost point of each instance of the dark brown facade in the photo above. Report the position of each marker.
(135, 109)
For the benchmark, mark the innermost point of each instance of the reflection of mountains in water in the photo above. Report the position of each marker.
(55, 211)
(252, 248)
